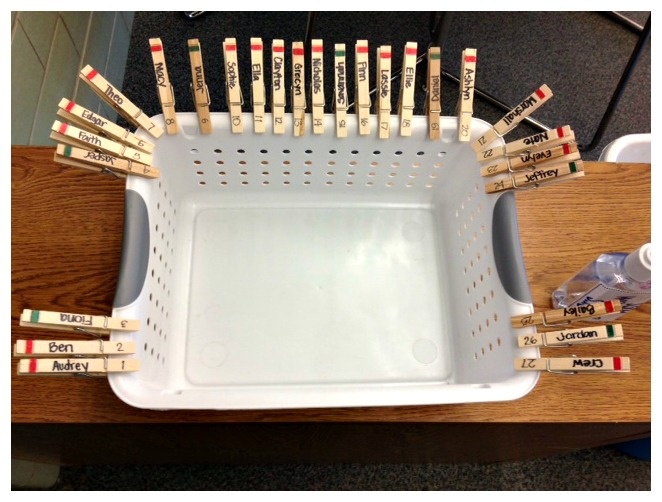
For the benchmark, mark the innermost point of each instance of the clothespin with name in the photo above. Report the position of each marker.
(298, 89)
(573, 365)
(57, 348)
(535, 142)
(465, 102)
(102, 162)
(199, 88)
(93, 324)
(278, 85)
(383, 102)
(566, 315)
(317, 84)
(433, 101)
(545, 174)
(232, 88)
(407, 87)
(525, 160)
(258, 89)
(118, 101)
(340, 90)
(163, 86)
(75, 365)
(573, 336)
(362, 85)
(512, 119)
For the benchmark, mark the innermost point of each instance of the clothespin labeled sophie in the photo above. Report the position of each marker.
(407, 88)
(383, 102)
(566, 315)
(278, 85)
(465, 108)
(298, 89)
(574, 365)
(232, 89)
(433, 101)
(535, 142)
(199, 88)
(362, 84)
(64, 321)
(258, 88)
(164, 88)
(340, 90)
(317, 84)
(546, 174)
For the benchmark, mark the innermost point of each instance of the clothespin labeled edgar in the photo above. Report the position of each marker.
(118, 101)
(465, 102)
(298, 89)
(407, 87)
(383, 102)
(512, 119)
(278, 85)
(317, 84)
(566, 315)
(102, 162)
(93, 324)
(535, 142)
(546, 174)
(573, 336)
(163, 86)
(340, 90)
(526, 160)
(199, 88)
(433, 101)
(232, 89)
(573, 365)
(67, 348)
(258, 88)
(362, 84)
(76, 365)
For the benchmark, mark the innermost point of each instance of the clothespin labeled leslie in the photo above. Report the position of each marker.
(407, 87)
(317, 85)
(199, 88)
(76, 365)
(278, 85)
(566, 315)
(102, 162)
(512, 119)
(525, 160)
(573, 365)
(232, 88)
(465, 107)
(573, 336)
(298, 89)
(258, 88)
(433, 101)
(535, 142)
(544, 175)
(118, 101)
(362, 84)
(67, 348)
(383, 102)
(163, 86)
(340, 90)
(63, 321)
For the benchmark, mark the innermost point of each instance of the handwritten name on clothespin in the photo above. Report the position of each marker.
(232, 88)
(278, 85)
(545, 139)
(407, 87)
(199, 88)
(383, 102)
(298, 89)
(55, 348)
(362, 83)
(573, 336)
(102, 162)
(164, 88)
(96, 324)
(512, 119)
(258, 88)
(76, 365)
(340, 90)
(546, 174)
(465, 108)
(317, 84)
(92, 122)
(113, 97)
(566, 315)
(433, 101)
(572, 365)
(525, 160)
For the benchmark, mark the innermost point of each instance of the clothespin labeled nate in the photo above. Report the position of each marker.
(298, 89)
(76, 365)
(199, 88)
(59, 348)
(232, 88)
(562, 153)
(566, 315)
(93, 324)
(362, 84)
(317, 84)
(383, 101)
(535, 142)
(407, 87)
(433, 101)
(114, 98)
(278, 85)
(573, 365)
(102, 162)
(465, 107)
(258, 88)
(163, 86)
(340, 90)
(544, 175)
(573, 336)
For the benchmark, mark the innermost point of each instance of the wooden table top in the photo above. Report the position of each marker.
(66, 243)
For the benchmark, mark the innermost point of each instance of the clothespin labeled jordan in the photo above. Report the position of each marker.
(76, 366)
(278, 85)
(164, 88)
(64, 321)
(199, 88)
(574, 365)
(340, 90)
(383, 101)
(567, 152)
(102, 162)
(298, 89)
(407, 87)
(573, 336)
(465, 108)
(232, 88)
(362, 84)
(546, 174)
(114, 98)
(566, 315)
(433, 98)
(258, 88)
(317, 84)
(535, 142)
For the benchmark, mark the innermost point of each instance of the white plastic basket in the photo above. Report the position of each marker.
(273, 271)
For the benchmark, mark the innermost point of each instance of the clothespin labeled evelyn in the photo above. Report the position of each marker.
(258, 88)
(573, 365)
(232, 89)
(407, 87)
(562, 153)
(163, 86)
(362, 80)
(278, 85)
(298, 89)
(433, 101)
(465, 101)
(317, 85)
(199, 88)
(535, 142)
(340, 90)
(383, 102)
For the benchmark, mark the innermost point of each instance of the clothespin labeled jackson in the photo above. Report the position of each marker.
(407, 88)
(278, 85)
(433, 101)
(340, 90)
(383, 101)
(199, 88)
(465, 100)
(362, 101)
(164, 88)
(258, 88)
(232, 88)
(298, 89)
(317, 85)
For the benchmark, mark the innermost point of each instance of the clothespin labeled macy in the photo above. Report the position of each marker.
(362, 83)
(465, 107)
(535, 142)
(232, 88)
(566, 315)
(574, 365)
(199, 88)
(573, 336)
(433, 101)
(546, 174)
(383, 102)
(164, 88)
(102, 162)
(278, 85)
(63, 321)
(340, 90)
(317, 85)
(525, 160)
(298, 89)
(258, 89)
(407, 88)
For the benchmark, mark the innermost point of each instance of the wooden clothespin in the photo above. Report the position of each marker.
(86, 119)
(102, 162)
(113, 97)
(258, 88)
(572, 365)
(383, 101)
(512, 119)
(95, 324)
(56, 348)
(163, 86)
(340, 90)
(567, 152)
(465, 102)
(76, 365)
(362, 82)
(199, 88)
(573, 336)
(298, 89)
(546, 174)
(317, 85)
(407, 88)
(232, 88)
(278, 85)
(546, 139)
(433, 101)
(566, 315)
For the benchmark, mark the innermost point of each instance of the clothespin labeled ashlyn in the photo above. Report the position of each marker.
(383, 101)
(102, 162)
(573, 336)
(465, 107)
(317, 85)
(433, 101)
(258, 88)
(77, 366)
(535, 142)
(340, 90)
(546, 174)
(199, 88)
(278, 85)
(114, 98)
(574, 365)
(407, 88)
(566, 315)
(63, 321)
(362, 101)
(298, 88)
(164, 88)
(68, 348)
(232, 88)
(567, 152)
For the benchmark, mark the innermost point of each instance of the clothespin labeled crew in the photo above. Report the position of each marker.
(199, 88)
(433, 101)
(574, 365)
(102, 162)
(298, 88)
(362, 84)
(566, 315)
(546, 174)
(258, 88)
(64, 321)
(118, 101)
(407, 88)
(562, 153)
(535, 142)
(465, 108)
(340, 90)
(164, 88)
(232, 88)
(278, 85)
(317, 85)
(383, 101)
(573, 336)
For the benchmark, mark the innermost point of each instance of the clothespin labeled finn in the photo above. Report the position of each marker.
(573, 336)
(199, 88)
(525, 160)
(566, 315)
(258, 89)
(362, 83)
(465, 107)
(278, 85)
(102, 162)
(95, 324)
(59, 348)
(232, 88)
(545, 174)
(163, 86)
(317, 85)
(76, 365)
(407, 87)
(383, 102)
(298, 89)
(340, 90)
(433, 101)
(535, 142)
(572, 365)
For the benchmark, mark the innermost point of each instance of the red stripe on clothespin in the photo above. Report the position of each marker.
(91, 75)
(157, 48)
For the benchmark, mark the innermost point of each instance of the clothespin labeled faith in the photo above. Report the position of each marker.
(383, 102)
(340, 90)
(566, 315)
(199, 88)
(433, 101)
(102, 162)
(232, 89)
(362, 84)
(526, 160)
(118, 101)
(278, 85)
(76, 365)
(298, 89)
(407, 87)
(573, 336)
(512, 119)
(535, 142)
(573, 365)
(258, 88)
(546, 174)
(317, 84)
(465, 102)
(67, 348)
(93, 324)
(163, 86)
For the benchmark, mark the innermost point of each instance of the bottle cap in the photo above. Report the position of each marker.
(638, 263)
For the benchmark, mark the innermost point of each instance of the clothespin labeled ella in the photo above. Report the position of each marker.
(407, 88)
(317, 85)
(63, 321)
(258, 88)
(567, 152)
(566, 315)
(164, 88)
(383, 101)
(433, 101)
(102, 162)
(465, 108)
(340, 90)
(278, 85)
(573, 365)
(298, 89)
(362, 102)
(535, 142)
(232, 88)
(546, 174)
(199, 88)
(573, 336)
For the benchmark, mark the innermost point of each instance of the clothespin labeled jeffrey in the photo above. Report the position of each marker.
(566, 152)
(574, 365)
(164, 88)
(383, 101)
(298, 89)
(566, 315)
(113, 97)
(362, 84)
(232, 88)
(64, 321)
(573, 336)
(199, 88)
(317, 84)
(546, 174)
(433, 101)
(340, 90)
(535, 142)
(465, 107)
(102, 162)
(258, 89)
(407, 87)
(278, 85)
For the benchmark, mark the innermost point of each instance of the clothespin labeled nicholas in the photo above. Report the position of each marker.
(232, 89)
(317, 85)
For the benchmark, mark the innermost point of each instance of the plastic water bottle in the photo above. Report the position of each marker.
(622, 276)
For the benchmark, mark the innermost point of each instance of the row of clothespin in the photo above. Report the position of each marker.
(569, 337)
(78, 357)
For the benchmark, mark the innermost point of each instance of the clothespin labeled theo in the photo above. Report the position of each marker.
(340, 90)
(383, 101)
(298, 89)
(258, 89)
(407, 87)
(573, 336)
(566, 315)
(573, 365)
(164, 88)
(535, 142)
(433, 101)
(63, 321)
(362, 83)
(465, 100)
(317, 84)
(278, 85)
(102, 162)
(199, 88)
(232, 88)
(538, 158)
(546, 174)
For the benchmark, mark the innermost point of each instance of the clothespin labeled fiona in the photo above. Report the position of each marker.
(258, 88)
(298, 89)
(433, 101)
(566, 315)
(573, 336)
(407, 88)
(164, 88)
(574, 365)
(533, 143)
(199, 88)
(232, 88)
(340, 90)
(362, 83)
(118, 101)
(317, 84)
(64, 321)
(383, 101)
(567, 152)
(102, 162)
(465, 108)
(278, 85)
(546, 174)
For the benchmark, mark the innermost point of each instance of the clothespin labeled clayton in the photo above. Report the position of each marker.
(567, 152)
(102, 162)
(383, 101)
(317, 85)
(407, 87)
(114, 98)
(278, 85)
(433, 101)
(298, 89)
(574, 365)
(340, 90)
(465, 108)
(566, 315)
(362, 84)
(573, 336)
(535, 142)
(164, 88)
(199, 88)
(76, 365)
(63, 321)
(258, 88)
(232, 88)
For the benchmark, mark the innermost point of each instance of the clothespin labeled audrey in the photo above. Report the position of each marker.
(383, 101)
(164, 88)
(199, 88)
(362, 83)
(407, 88)
(340, 90)
(465, 100)
(317, 84)
(258, 88)
(433, 101)
(278, 85)
(232, 89)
